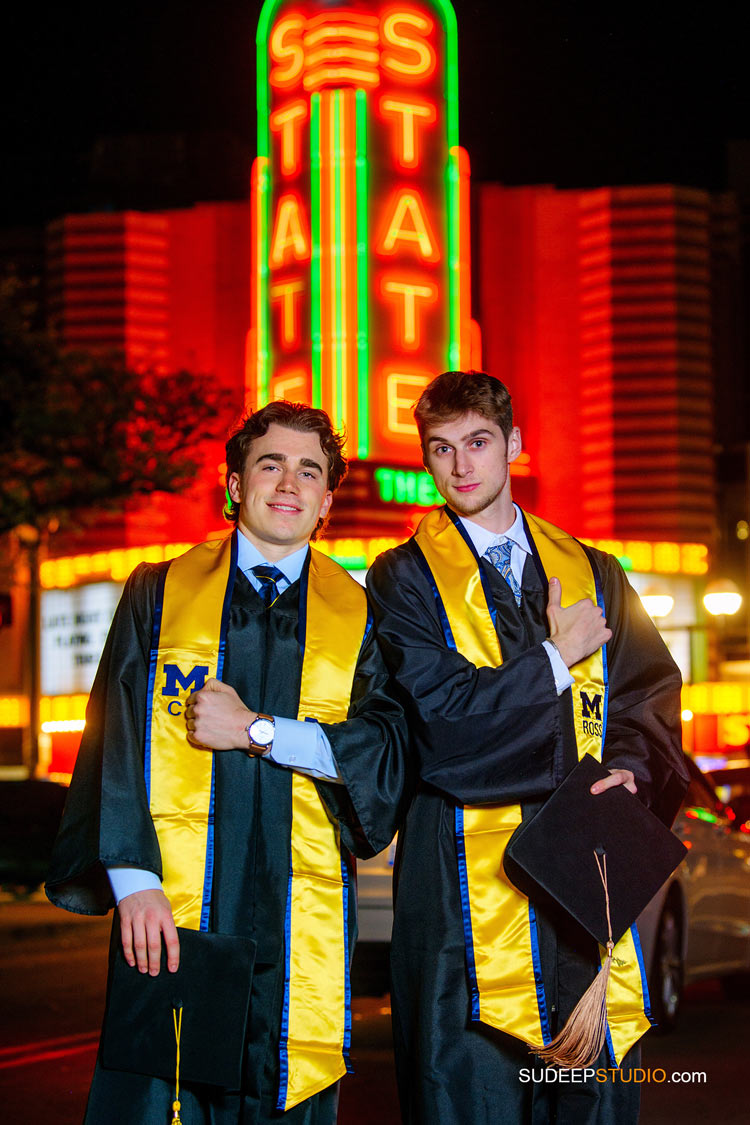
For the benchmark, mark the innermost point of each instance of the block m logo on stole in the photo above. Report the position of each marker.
(591, 705)
(175, 680)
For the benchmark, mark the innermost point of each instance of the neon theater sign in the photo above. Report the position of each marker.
(360, 215)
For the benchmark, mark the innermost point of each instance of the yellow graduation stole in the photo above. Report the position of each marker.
(502, 946)
(188, 648)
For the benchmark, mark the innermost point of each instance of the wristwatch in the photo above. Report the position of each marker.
(260, 734)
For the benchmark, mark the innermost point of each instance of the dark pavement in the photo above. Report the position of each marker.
(52, 978)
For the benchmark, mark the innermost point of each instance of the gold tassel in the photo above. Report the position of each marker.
(578, 1044)
(176, 1119)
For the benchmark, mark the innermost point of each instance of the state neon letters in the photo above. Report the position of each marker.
(360, 251)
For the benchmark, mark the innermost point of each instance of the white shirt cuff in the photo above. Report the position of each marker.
(127, 880)
(303, 746)
(560, 670)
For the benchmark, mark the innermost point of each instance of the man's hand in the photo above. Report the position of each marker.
(616, 777)
(144, 917)
(579, 629)
(217, 719)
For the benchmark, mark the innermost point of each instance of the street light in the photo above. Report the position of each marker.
(657, 601)
(722, 598)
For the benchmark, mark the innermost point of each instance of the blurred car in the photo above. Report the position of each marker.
(697, 926)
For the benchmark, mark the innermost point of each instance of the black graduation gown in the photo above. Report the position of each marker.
(502, 735)
(106, 821)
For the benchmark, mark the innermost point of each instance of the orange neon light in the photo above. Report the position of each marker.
(406, 114)
(402, 389)
(329, 75)
(286, 293)
(291, 384)
(467, 343)
(521, 467)
(255, 353)
(347, 50)
(291, 238)
(407, 294)
(410, 57)
(407, 223)
(288, 122)
(365, 34)
(286, 50)
(348, 54)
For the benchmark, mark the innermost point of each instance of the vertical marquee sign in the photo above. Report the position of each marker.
(360, 212)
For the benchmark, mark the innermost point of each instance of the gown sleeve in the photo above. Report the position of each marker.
(370, 750)
(106, 818)
(643, 731)
(481, 735)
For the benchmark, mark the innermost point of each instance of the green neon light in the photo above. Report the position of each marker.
(315, 264)
(452, 226)
(265, 358)
(261, 70)
(403, 486)
(263, 327)
(454, 262)
(701, 814)
(351, 562)
(363, 327)
(336, 256)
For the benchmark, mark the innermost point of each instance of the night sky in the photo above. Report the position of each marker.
(561, 93)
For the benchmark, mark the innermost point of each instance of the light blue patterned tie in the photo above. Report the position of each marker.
(499, 556)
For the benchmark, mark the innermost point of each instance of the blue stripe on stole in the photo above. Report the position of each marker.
(644, 983)
(304, 579)
(605, 671)
(536, 959)
(611, 1049)
(153, 660)
(444, 623)
(284, 1038)
(208, 871)
(368, 627)
(225, 607)
(347, 981)
(463, 879)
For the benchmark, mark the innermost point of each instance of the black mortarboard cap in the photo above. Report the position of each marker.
(553, 853)
(212, 986)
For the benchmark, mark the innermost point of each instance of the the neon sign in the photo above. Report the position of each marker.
(360, 205)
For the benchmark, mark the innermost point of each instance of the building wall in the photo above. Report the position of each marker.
(168, 291)
(596, 310)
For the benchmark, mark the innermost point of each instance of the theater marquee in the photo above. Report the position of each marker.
(360, 205)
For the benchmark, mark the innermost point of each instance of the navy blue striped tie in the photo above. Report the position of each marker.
(269, 578)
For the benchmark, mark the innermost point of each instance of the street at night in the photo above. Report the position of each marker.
(375, 416)
(52, 977)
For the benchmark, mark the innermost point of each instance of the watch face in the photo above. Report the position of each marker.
(261, 732)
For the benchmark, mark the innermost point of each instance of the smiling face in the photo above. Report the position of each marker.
(469, 460)
(283, 491)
